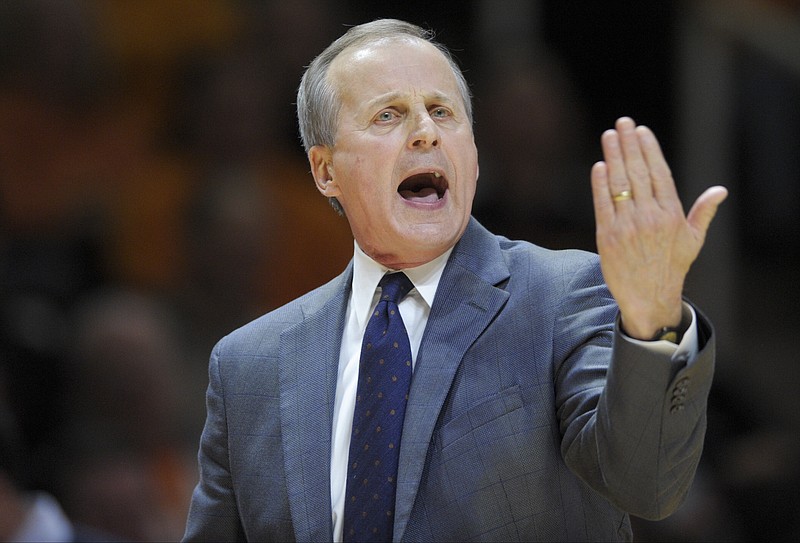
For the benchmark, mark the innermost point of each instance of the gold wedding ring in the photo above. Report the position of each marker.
(624, 195)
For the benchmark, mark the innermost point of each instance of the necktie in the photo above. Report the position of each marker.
(384, 378)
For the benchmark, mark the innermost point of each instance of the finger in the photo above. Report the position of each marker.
(636, 167)
(705, 208)
(615, 163)
(601, 196)
(663, 184)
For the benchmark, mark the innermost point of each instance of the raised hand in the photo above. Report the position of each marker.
(646, 242)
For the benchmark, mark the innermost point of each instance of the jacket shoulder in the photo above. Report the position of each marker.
(555, 266)
(263, 333)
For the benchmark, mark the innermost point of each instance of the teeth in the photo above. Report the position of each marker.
(437, 174)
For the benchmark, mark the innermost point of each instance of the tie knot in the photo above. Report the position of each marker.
(394, 287)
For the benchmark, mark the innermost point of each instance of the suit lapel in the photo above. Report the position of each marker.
(309, 360)
(466, 302)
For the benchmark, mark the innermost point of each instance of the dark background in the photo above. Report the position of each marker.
(154, 196)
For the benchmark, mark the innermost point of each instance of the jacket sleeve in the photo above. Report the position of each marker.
(632, 418)
(213, 513)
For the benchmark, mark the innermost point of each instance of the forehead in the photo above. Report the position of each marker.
(391, 65)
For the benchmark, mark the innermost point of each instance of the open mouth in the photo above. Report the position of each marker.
(426, 187)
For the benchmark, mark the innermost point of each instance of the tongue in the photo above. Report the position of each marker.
(427, 195)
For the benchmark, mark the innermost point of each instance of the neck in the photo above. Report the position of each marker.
(395, 261)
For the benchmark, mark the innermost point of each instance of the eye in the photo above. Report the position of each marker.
(385, 116)
(440, 112)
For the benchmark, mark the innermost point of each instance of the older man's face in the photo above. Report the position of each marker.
(404, 166)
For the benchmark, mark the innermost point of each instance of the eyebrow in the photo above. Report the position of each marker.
(397, 95)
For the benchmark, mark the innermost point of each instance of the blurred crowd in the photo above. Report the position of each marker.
(154, 196)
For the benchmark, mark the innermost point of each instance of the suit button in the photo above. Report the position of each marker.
(676, 409)
(681, 387)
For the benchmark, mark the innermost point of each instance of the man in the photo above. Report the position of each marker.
(28, 514)
(543, 405)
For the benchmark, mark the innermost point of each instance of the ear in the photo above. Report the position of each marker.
(321, 160)
(477, 162)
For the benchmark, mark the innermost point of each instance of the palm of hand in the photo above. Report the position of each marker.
(646, 243)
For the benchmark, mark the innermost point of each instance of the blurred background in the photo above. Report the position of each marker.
(154, 196)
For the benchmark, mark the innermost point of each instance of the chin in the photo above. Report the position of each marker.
(433, 238)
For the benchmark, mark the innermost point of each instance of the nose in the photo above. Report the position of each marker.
(425, 133)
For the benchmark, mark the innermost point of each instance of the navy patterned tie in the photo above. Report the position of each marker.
(384, 377)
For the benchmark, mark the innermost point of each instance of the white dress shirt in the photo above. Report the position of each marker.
(414, 309)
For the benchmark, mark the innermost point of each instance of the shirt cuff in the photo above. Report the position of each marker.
(686, 349)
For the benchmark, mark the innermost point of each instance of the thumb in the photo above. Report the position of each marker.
(705, 208)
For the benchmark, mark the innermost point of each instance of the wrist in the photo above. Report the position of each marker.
(672, 331)
(648, 327)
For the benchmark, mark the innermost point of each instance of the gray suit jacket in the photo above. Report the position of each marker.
(529, 418)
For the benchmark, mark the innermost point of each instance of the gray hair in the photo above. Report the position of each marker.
(317, 101)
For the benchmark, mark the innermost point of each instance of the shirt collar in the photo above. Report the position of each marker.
(367, 274)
